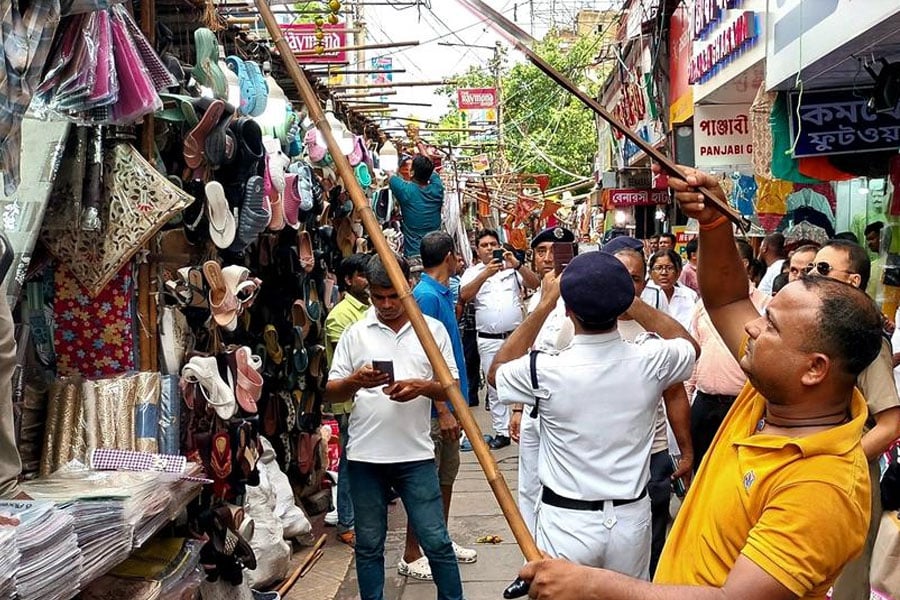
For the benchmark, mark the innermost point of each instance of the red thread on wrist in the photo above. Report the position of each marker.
(714, 224)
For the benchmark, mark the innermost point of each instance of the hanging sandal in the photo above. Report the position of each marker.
(222, 301)
(222, 224)
(249, 384)
(273, 348)
(195, 142)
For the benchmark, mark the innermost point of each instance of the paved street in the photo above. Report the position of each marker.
(474, 513)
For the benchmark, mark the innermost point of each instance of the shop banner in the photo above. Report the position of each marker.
(722, 135)
(839, 122)
(476, 98)
(624, 197)
(680, 91)
(301, 37)
(481, 163)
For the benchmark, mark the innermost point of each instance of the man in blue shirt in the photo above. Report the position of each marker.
(421, 200)
(436, 300)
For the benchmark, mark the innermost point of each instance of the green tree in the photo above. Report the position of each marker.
(544, 128)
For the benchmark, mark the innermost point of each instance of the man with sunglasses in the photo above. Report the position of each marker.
(781, 501)
(848, 262)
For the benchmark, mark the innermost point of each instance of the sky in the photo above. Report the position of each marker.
(448, 21)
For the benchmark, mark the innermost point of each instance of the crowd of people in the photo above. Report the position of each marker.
(758, 387)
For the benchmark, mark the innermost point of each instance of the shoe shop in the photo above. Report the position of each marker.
(172, 228)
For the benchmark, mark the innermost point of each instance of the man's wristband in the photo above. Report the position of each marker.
(714, 224)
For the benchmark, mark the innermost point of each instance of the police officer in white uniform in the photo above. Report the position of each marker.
(496, 286)
(555, 334)
(597, 402)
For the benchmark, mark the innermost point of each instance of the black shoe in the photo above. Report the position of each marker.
(498, 441)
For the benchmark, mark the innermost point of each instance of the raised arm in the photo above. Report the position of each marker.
(720, 272)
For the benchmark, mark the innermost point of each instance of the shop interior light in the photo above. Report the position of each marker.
(886, 94)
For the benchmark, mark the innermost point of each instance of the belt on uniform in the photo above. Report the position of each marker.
(717, 398)
(494, 336)
(550, 497)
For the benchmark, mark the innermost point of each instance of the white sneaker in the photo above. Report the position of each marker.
(331, 518)
(464, 555)
(417, 569)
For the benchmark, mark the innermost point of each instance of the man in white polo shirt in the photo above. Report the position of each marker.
(597, 401)
(390, 445)
(496, 285)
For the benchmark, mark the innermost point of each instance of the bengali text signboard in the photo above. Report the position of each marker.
(722, 135)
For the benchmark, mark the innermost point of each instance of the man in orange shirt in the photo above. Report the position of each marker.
(781, 501)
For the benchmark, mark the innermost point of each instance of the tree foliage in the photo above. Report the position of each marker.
(544, 128)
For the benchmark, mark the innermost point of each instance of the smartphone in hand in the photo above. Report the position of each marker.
(498, 254)
(563, 252)
(677, 483)
(385, 366)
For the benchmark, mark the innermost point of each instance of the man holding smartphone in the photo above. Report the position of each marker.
(390, 445)
(496, 286)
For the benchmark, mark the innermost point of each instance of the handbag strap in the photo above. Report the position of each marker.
(534, 380)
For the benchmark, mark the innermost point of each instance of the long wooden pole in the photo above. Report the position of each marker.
(390, 84)
(308, 53)
(520, 39)
(494, 477)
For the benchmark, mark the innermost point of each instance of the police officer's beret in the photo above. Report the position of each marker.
(553, 234)
(597, 287)
(624, 241)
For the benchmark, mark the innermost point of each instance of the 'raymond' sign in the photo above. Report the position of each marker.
(622, 197)
(301, 37)
(722, 135)
(476, 98)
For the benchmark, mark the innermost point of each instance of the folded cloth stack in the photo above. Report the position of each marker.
(9, 561)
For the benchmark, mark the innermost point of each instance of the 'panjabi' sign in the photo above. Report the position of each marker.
(722, 135)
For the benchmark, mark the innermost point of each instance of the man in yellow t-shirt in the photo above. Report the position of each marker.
(781, 502)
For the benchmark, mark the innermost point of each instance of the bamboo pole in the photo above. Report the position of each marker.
(493, 475)
(309, 53)
(413, 120)
(391, 102)
(343, 71)
(147, 309)
(390, 84)
(364, 95)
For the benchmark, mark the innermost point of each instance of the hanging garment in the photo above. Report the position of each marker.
(137, 201)
(93, 335)
(743, 194)
(761, 132)
(771, 195)
(784, 166)
(26, 40)
(821, 167)
(807, 197)
(894, 176)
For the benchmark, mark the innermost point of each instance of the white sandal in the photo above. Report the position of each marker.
(222, 224)
(205, 372)
(417, 569)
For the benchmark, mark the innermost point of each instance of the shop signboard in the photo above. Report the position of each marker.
(680, 91)
(804, 35)
(839, 122)
(625, 197)
(301, 37)
(481, 163)
(722, 135)
(476, 98)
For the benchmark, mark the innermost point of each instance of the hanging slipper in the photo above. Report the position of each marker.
(249, 383)
(206, 68)
(222, 301)
(332, 292)
(204, 371)
(276, 202)
(220, 463)
(222, 224)
(195, 142)
(311, 300)
(305, 251)
(193, 277)
(245, 82)
(273, 347)
(314, 149)
(253, 218)
(292, 201)
(277, 163)
(261, 89)
(362, 175)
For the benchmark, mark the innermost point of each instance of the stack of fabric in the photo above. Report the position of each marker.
(9, 561)
(103, 536)
(50, 561)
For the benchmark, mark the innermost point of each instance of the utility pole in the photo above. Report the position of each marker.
(360, 26)
(496, 64)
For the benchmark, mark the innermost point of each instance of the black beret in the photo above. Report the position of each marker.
(597, 287)
(553, 234)
(623, 241)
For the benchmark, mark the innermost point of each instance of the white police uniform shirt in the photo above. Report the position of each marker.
(557, 331)
(382, 430)
(598, 401)
(498, 303)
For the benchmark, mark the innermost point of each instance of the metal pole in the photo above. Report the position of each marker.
(417, 321)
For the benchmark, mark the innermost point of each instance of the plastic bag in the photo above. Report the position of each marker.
(292, 517)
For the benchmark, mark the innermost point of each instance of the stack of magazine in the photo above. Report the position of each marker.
(9, 561)
(49, 559)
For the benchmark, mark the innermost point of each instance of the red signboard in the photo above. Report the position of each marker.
(476, 98)
(302, 40)
(622, 197)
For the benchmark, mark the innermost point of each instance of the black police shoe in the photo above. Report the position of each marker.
(499, 441)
